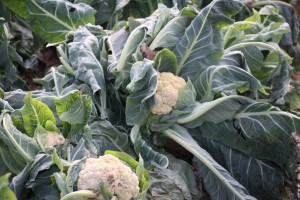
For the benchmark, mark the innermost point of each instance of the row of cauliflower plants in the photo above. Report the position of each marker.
(179, 104)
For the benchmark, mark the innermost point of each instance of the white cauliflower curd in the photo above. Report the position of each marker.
(119, 178)
(167, 92)
(52, 139)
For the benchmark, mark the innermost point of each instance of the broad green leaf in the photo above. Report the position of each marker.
(9, 80)
(53, 19)
(22, 145)
(79, 152)
(217, 181)
(131, 46)
(258, 130)
(116, 42)
(259, 27)
(84, 55)
(165, 61)
(36, 113)
(106, 129)
(141, 92)
(74, 110)
(105, 9)
(13, 163)
(177, 182)
(247, 170)
(169, 36)
(146, 7)
(149, 155)
(54, 81)
(223, 77)
(215, 111)
(202, 43)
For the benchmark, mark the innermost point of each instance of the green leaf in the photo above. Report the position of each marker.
(165, 61)
(149, 155)
(142, 89)
(53, 20)
(169, 36)
(74, 110)
(79, 152)
(258, 130)
(5, 192)
(227, 107)
(217, 181)
(202, 44)
(247, 170)
(223, 77)
(131, 46)
(106, 129)
(25, 147)
(84, 55)
(36, 113)
(177, 182)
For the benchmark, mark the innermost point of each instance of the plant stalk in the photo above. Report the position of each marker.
(78, 194)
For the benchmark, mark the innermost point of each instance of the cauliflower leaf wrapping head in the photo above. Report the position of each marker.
(168, 87)
(119, 178)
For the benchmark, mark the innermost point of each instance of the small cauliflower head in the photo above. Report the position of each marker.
(119, 178)
(167, 92)
(52, 139)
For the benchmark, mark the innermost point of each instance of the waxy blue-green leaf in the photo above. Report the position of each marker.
(247, 170)
(254, 127)
(165, 61)
(223, 77)
(53, 20)
(36, 113)
(141, 147)
(217, 181)
(202, 44)
(215, 111)
(84, 55)
(141, 92)
(169, 36)
(21, 144)
(128, 56)
(105, 129)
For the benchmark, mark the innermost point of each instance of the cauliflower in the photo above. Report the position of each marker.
(119, 178)
(52, 139)
(167, 92)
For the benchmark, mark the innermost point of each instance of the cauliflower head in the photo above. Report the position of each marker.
(119, 178)
(167, 92)
(52, 139)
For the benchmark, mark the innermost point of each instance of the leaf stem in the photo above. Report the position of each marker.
(199, 112)
(246, 44)
(228, 34)
(80, 193)
(263, 3)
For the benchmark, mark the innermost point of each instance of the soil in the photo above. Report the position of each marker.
(46, 57)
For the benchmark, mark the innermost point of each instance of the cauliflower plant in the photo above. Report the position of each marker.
(166, 95)
(119, 178)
